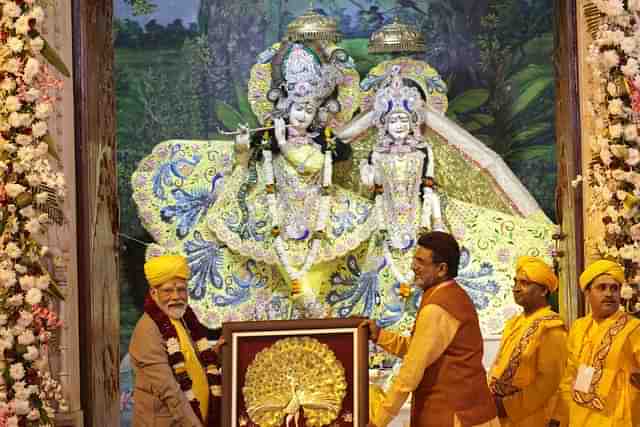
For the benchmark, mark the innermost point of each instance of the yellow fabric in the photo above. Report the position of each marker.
(307, 158)
(200, 385)
(419, 352)
(539, 371)
(621, 399)
(536, 270)
(599, 268)
(161, 269)
(376, 397)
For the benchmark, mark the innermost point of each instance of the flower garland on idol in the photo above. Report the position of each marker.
(206, 354)
(323, 212)
(614, 172)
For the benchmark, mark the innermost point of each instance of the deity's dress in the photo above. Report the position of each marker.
(196, 198)
(483, 204)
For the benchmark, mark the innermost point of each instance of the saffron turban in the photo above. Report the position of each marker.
(600, 267)
(161, 269)
(537, 271)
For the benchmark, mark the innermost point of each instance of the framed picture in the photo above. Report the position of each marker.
(295, 373)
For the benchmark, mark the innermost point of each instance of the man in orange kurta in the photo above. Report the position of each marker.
(442, 360)
(529, 365)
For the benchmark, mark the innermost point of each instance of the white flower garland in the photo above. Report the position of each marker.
(614, 173)
(323, 215)
(28, 393)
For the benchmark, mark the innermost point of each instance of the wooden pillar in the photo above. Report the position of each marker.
(97, 206)
(64, 354)
(569, 152)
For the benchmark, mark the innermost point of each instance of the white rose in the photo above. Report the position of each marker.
(27, 282)
(43, 110)
(615, 130)
(22, 25)
(628, 44)
(26, 338)
(42, 282)
(39, 129)
(15, 120)
(630, 132)
(633, 158)
(631, 68)
(13, 250)
(615, 106)
(36, 45)
(21, 407)
(12, 421)
(610, 58)
(12, 65)
(15, 44)
(11, 10)
(12, 103)
(34, 296)
(23, 139)
(8, 84)
(14, 190)
(16, 370)
(25, 318)
(626, 292)
(7, 278)
(173, 345)
(31, 69)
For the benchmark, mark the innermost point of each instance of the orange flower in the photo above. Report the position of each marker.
(405, 290)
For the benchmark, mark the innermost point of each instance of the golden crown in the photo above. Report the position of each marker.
(396, 37)
(313, 26)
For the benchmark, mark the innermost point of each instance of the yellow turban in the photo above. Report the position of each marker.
(600, 267)
(534, 269)
(161, 269)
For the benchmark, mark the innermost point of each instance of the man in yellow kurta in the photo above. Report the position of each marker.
(597, 389)
(177, 381)
(442, 361)
(532, 355)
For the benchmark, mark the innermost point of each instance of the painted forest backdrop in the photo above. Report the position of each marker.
(182, 68)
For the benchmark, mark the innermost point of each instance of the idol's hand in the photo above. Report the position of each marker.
(242, 139)
(280, 131)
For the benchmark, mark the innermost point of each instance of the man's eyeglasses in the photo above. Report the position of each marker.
(167, 292)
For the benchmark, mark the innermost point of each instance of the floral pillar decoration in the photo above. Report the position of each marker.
(614, 172)
(29, 183)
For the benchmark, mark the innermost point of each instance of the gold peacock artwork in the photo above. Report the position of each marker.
(292, 376)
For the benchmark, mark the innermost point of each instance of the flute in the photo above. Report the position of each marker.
(237, 132)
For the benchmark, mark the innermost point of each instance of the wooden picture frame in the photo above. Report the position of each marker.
(344, 337)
